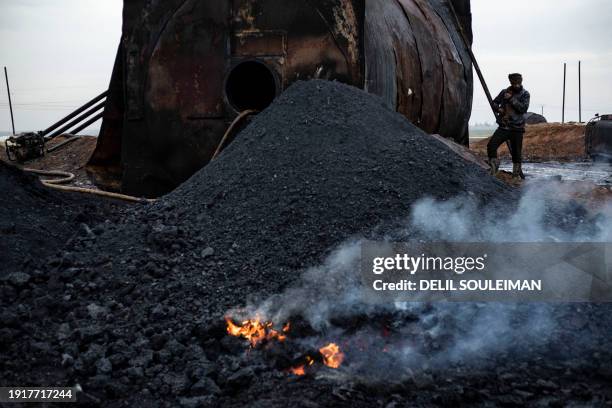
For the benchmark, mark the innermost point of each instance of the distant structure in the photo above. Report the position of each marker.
(532, 118)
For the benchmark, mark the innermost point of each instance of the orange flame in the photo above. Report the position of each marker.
(301, 370)
(298, 370)
(332, 356)
(255, 331)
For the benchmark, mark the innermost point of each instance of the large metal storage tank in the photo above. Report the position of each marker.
(598, 138)
(186, 68)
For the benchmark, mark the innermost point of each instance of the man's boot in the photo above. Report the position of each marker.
(517, 171)
(494, 163)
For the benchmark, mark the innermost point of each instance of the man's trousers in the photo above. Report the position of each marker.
(515, 137)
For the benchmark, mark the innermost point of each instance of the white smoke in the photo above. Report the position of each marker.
(322, 292)
(461, 219)
(424, 336)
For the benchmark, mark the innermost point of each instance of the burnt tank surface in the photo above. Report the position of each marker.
(185, 69)
(598, 138)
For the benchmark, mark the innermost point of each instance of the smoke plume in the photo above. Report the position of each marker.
(403, 339)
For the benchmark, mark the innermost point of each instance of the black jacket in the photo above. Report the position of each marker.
(515, 108)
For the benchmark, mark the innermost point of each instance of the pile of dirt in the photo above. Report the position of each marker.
(36, 221)
(133, 311)
(545, 142)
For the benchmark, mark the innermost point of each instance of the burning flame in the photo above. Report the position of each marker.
(256, 331)
(298, 370)
(332, 356)
(301, 370)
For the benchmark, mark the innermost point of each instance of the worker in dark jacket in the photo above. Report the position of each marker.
(511, 105)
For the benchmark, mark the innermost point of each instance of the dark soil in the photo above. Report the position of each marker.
(36, 221)
(133, 312)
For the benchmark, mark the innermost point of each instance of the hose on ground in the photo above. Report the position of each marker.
(230, 129)
(56, 184)
(66, 177)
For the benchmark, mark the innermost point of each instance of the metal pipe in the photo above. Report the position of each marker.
(64, 143)
(77, 120)
(8, 90)
(468, 46)
(485, 87)
(579, 91)
(564, 80)
(89, 122)
(75, 113)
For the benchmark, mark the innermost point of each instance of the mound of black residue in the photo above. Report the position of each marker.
(325, 162)
(133, 311)
(36, 221)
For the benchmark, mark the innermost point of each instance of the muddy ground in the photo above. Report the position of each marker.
(132, 309)
(545, 142)
(71, 158)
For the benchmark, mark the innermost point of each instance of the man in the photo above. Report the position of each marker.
(511, 105)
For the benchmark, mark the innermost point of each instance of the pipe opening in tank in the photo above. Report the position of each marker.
(250, 85)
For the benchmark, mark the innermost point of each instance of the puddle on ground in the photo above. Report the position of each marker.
(598, 173)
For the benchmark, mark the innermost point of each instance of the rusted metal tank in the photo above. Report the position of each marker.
(598, 138)
(186, 68)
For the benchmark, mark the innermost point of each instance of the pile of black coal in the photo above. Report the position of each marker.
(35, 221)
(134, 312)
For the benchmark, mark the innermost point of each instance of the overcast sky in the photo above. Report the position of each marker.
(60, 54)
(535, 37)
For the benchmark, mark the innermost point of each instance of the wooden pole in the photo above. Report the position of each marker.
(468, 47)
(564, 82)
(579, 91)
(8, 90)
